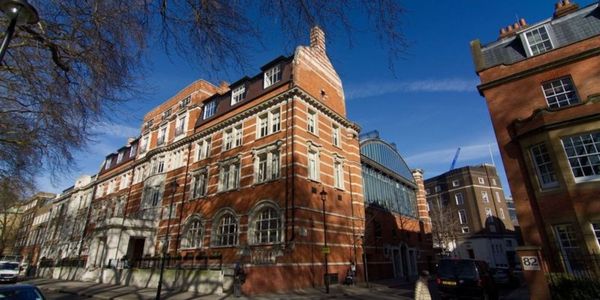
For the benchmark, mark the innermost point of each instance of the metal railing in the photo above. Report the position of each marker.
(202, 262)
(579, 278)
(72, 262)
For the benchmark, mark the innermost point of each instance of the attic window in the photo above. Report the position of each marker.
(166, 114)
(272, 76)
(238, 94)
(538, 40)
(210, 109)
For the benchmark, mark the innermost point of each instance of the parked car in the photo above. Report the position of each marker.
(465, 278)
(21, 292)
(505, 276)
(9, 271)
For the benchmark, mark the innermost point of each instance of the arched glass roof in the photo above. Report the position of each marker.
(387, 156)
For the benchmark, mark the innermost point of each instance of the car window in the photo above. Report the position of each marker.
(9, 266)
(21, 294)
(457, 268)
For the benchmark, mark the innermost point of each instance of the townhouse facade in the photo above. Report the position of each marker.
(473, 200)
(540, 82)
(26, 241)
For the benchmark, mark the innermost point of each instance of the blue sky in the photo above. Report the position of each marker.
(429, 106)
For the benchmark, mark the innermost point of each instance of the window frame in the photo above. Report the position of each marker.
(198, 237)
(233, 137)
(238, 94)
(312, 115)
(233, 174)
(198, 173)
(485, 197)
(219, 232)
(267, 157)
(335, 135)
(338, 173)
(272, 76)
(180, 125)
(548, 166)
(315, 174)
(528, 45)
(557, 104)
(456, 198)
(589, 157)
(461, 216)
(255, 219)
(209, 109)
(268, 120)
(204, 147)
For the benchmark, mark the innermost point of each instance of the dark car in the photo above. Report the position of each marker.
(465, 279)
(21, 292)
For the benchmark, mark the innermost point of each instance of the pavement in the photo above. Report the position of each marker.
(388, 289)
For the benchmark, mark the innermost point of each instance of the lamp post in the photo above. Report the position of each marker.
(325, 248)
(19, 12)
(165, 246)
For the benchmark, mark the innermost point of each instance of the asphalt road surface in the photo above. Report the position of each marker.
(50, 295)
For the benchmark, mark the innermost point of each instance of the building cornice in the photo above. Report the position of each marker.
(538, 69)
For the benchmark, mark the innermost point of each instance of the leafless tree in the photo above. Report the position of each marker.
(64, 75)
(9, 214)
(445, 225)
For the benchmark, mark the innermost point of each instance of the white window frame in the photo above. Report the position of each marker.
(120, 157)
(485, 198)
(488, 212)
(462, 216)
(268, 123)
(544, 167)
(459, 198)
(501, 214)
(464, 229)
(203, 148)
(595, 226)
(437, 188)
(107, 163)
(267, 163)
(233, 137)
(133, 150)
(161, 138)
(313, 173)
(272, 76)
(194, 235)
(145, 143)
(312, 121)
(335, 135)
(256, 223)
(209, 109)
(553, 100)
(200, 176)
(481, 180)
(181, 124)
(229, 174)
(219, 232)
(338, 173)
(238, 94)
(455, 183)
(528, 46)
(591, 156)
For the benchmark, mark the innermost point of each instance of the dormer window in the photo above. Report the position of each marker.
(272, 76)
(538, 41)
(120, 157)
(210, 109)
(107, 163)
(148, 125)
(238, 94)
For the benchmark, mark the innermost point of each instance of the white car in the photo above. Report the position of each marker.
(9, 271)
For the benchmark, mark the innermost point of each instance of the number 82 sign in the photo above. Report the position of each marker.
(530, 263)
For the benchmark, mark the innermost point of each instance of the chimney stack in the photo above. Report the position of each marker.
(564, 7)
(512, 29)
(317, 39)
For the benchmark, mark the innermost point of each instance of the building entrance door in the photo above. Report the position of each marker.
(397, 263)
(135, 249)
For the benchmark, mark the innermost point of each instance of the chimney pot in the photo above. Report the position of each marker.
(523, 22)
(510, 28)
(517, 26)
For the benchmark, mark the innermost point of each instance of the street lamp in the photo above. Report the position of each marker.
(325, 248)
(165, 246)
(19, 12)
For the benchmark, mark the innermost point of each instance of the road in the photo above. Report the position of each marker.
(52, 295)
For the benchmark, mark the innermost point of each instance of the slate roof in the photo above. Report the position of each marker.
(565, 30)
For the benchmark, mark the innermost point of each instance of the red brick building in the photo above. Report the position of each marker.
(242, 168)
(541, 84)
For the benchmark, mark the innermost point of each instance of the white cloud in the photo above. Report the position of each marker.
(117, 130)
(371, 89)
(445, 156)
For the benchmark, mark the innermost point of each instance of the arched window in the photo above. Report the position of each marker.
(194, 234)
(267, 226)
(226, 230)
